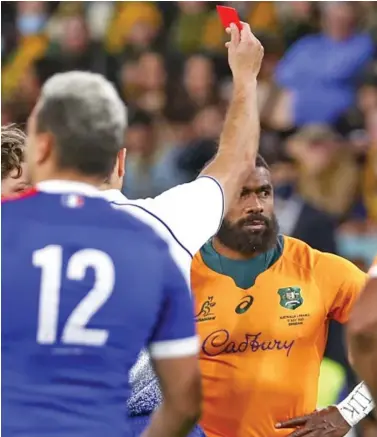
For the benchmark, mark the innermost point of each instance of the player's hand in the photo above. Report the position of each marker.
(323, 423)
(245, 53)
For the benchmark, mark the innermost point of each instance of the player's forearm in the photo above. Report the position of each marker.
(168, 421)
(362, 335)
(365, 366)
(357, 405)
(363, 349)
(239, 140)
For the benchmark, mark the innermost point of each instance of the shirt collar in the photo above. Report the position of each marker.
(63, 186)
(114, 195)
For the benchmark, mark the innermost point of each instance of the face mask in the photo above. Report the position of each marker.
(284, 191)
(31, 24)
(358, 247)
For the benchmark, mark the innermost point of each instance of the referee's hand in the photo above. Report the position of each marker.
(245, 53)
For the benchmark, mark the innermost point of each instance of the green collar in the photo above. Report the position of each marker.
(243, 272)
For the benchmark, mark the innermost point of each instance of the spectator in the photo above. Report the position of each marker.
(128, 79)
(152, 82)
(207, 126)
(135, 26)
(297, 217)
(298, 19)
(357, 241)
(195, 156)
(370, 172)
(199, 80)
(269, 95)
(149, 170)
(208, 123)
(141, 149)
(73, 50)
(352, 122)
(31, 19)
(329, 177)
(320, 71)
(187, 30)
(370, 14)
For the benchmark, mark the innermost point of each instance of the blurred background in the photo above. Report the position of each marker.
(317, 99)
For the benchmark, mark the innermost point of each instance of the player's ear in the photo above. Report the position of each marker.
(43, 147)
(121, 162)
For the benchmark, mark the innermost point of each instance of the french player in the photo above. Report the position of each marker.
(85, 287)
(14, 177)
(190, 214)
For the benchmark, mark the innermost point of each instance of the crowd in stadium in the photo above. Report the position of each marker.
(169, 63)
(317, 98)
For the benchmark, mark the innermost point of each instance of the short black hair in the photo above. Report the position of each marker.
(12, 150)
(261, 162)
(87, 119)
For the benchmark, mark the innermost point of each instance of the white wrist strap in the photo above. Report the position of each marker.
(357, 405)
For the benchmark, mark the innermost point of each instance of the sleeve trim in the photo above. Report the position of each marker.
(222, 198)
(160, 220)
(183, 347)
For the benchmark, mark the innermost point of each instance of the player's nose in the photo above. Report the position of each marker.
(254, 206)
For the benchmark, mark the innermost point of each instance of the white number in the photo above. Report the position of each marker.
(50, 260)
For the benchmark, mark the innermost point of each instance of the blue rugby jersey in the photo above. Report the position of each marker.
(84, 289)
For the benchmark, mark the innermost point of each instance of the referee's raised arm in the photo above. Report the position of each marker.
(193, 212)
(239, 140)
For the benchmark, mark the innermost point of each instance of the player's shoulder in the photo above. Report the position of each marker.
(13, 198)
(119, 201)
(141, 209)
(300, 253)
(327, 270)
(125, 218)
(20, 201)
(89, 211)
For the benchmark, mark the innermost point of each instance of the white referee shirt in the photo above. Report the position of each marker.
(186, 216)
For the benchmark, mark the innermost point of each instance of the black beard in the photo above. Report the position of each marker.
(246, 241)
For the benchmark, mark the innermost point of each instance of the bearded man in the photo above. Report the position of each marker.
(263, 305)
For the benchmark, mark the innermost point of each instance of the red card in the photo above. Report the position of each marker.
(229, 15)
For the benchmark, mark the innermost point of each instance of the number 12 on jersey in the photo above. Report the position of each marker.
(50, 261)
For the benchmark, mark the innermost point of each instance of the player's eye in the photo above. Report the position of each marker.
(244, 193)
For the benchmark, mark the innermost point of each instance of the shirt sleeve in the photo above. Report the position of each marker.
(193, 212)
(174, 335)
(341, 283)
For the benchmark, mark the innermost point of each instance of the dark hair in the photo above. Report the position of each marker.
(140, 118)
(12, 150)
(87, 119)
(261, 162)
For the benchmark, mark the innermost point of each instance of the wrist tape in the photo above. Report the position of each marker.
(357, 405)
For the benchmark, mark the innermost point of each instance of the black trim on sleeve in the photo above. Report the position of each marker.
(159, 220)
(222, 197)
